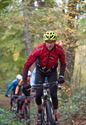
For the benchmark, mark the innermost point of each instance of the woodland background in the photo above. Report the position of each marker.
(22, 25)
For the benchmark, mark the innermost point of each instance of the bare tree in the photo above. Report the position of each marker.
(27, 37)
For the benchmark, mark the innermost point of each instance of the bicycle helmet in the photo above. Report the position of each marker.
(19, 77)
(29, 73)
(50, 35)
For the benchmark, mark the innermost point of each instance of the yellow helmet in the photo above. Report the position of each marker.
(50, 35)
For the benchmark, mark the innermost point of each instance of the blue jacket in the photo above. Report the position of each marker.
(12, 86)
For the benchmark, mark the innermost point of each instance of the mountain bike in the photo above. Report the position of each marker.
(22, 112)
(47, 112)
(13, 104)
(23, 109)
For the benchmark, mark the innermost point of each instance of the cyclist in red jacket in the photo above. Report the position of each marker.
(46, 56)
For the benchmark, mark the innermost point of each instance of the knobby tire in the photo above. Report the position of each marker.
(50, 113)
(26, 110)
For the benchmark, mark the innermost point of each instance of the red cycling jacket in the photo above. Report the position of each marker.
(46, 58)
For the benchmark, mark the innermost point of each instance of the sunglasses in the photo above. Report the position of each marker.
(50, 41)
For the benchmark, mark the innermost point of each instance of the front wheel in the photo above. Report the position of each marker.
(49, 112)
(26, 112)
(13, 105)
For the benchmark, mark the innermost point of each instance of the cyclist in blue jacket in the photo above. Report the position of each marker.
(12, 85)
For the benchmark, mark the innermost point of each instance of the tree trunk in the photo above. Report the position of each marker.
(27, 37)
(71, 38)
(70, 57)
(79, 74)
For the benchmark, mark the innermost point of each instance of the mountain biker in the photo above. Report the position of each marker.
(19, 91)
(46, 56)
(12, 86)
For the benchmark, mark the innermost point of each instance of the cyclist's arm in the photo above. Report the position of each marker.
(62, 61)
(10, 87)
(18, 87)
(17, 90)
(31, 59)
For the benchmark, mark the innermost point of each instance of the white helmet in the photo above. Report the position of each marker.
(19, 77)
(29, 73)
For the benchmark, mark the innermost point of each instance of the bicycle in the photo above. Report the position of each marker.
(47, 112)
(23, 109)
(13, 103)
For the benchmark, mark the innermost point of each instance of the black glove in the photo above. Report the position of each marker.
(6, 95)
(61, 79)
(15, 96)
(26, 89)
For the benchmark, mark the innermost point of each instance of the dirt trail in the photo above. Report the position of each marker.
(5, 103)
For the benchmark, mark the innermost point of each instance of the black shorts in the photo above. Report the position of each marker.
(40, 78)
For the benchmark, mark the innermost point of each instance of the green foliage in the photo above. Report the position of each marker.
(4, 4)
(45, 19)
(82, 26)
(73, 106)
(81, 29)
(6, 118)
(11, 46)
(49, 3)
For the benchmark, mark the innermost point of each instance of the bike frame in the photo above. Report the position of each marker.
(47, 114)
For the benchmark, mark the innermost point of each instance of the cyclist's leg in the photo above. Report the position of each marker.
(20, 102)
(39, 79)
(12, 98)
(53, 91)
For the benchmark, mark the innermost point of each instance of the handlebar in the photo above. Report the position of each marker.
(46, 85)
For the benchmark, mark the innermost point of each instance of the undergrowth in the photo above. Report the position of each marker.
(70, 108)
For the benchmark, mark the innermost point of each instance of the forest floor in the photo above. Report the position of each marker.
(77, 120)
(4, 102)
